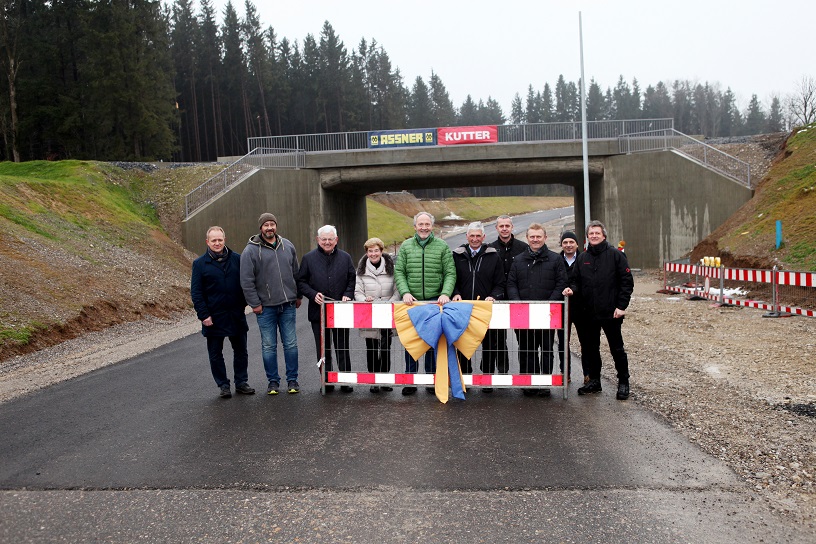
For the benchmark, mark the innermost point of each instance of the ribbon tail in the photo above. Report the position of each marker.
(457, 384)
(441, 383)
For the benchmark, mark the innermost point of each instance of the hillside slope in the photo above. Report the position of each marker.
(786, 193)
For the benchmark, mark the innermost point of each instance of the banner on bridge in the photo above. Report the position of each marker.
(468, 135)
(402, 138)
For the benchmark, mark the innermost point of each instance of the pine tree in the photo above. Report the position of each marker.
(594, 102)
(517, 111)
(755, 120)
(443, 111)
(776, 122)
(420, 107)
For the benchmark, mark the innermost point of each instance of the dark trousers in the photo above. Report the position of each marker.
(340, 338)
(430, 362)
(535, 351)
(240, 359)
(589, 334)
(378, 352)
(494, 352)
(489, 353)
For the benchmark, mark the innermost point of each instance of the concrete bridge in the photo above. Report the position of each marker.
(661, 202)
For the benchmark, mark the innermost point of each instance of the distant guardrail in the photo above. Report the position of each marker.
(262, 157)
(668, 138)
(534, 132)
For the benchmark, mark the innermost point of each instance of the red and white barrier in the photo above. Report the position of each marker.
(773, 277)
(505, 315)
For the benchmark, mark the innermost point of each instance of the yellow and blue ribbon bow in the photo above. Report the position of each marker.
(460, 325)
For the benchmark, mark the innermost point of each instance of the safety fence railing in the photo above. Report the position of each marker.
(530, 361)
(781, 292)
(668, 138)
(261, 157)
(532, 132)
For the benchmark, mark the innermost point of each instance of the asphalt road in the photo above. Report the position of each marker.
(520, 224)
(145, 450)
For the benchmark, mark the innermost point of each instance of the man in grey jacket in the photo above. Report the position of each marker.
(269, 266)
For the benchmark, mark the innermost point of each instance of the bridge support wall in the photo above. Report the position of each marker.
(297, 200)
(662, 204)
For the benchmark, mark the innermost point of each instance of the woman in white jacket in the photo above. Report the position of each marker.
(375, 282)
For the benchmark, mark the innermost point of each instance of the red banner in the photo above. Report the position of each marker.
(467, 135)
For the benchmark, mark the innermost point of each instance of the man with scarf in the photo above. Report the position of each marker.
(215, 287)
(602, 285)
(327, 273)
(536, 274)
(424, 271)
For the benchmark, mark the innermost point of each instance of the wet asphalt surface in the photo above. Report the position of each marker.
(145, 450)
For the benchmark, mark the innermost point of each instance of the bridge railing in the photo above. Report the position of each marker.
(262, 157)
(534, 132)
(664, 139)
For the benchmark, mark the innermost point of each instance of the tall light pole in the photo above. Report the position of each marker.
(584, 144)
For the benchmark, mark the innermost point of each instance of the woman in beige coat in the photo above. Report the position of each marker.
(375, 283)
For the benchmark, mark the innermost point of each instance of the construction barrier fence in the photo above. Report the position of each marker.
(781, 292)
(531, 360)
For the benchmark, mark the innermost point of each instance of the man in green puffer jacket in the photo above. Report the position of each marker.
(424, 271)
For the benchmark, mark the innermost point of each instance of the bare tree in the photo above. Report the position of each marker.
(802, 102)
(9, 31)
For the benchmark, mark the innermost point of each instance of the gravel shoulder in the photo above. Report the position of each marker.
(740, 386)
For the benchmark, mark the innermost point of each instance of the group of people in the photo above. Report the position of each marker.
(268, 277)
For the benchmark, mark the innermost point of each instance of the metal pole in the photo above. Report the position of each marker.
(585, 153)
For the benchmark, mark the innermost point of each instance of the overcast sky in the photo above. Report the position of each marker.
(498, 48)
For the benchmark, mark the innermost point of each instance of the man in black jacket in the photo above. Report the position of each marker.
(570, 253)
(536, 274)
(508, 247)
(215, 287)
(327, 273)
(602, 286)
(479, 276)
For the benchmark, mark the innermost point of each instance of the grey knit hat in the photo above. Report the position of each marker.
(569, 234)
(266, 217)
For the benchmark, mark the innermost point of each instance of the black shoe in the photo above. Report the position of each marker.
(592, 386)
(375, 389)
(544, 393)
(623, 391)
(329, 388)
(293, 387)
(487, 390)
(431, 390)
(225, 392)
(409, 390)
(387, 388)
(346, 389)
(244, 389)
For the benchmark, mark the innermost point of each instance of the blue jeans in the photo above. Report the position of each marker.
(272, 319)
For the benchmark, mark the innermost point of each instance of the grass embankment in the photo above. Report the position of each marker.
(81, 248)
(788, 194)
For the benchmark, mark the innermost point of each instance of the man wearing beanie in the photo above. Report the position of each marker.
(570, 252)
(269, 266)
